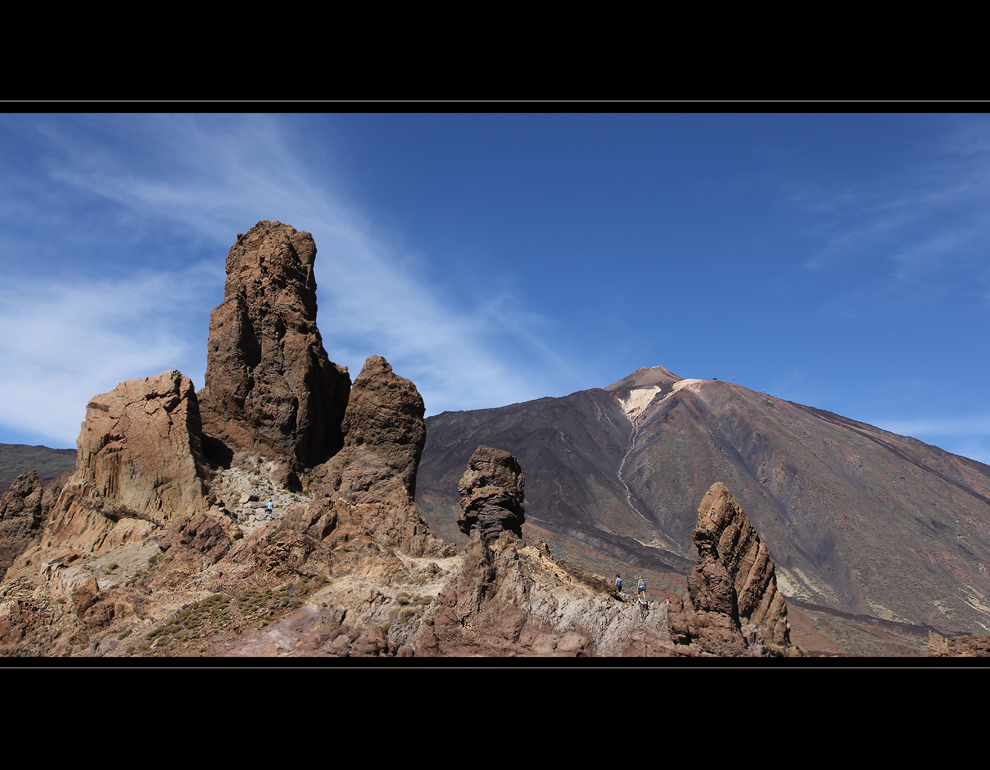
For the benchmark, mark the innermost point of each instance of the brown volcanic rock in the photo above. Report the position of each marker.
(24, 510)
(732, 587)
(968, 646)
(134, 560)
(139, 467)
(724, 523)
(511, 599)
(270, 388)
(372, 480)
(492, 491)
(140, 448)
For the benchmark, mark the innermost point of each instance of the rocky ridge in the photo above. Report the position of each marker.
(512, 598)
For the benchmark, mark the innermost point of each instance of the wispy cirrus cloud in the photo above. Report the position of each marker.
(63, 342)
(914, 232)
(149, 205)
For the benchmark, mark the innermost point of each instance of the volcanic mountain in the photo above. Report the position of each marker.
(859, 521)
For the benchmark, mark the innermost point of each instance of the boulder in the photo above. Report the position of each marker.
(270, 388)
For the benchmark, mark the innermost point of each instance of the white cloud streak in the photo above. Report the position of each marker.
(63, 343)
(915, 229)
(208, 179)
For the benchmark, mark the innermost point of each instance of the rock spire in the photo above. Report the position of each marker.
(492, 491)
(271, 389)
(733, 588)
(374, 474)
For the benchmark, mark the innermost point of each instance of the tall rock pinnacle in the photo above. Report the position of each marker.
(733, 586)
(270, 388)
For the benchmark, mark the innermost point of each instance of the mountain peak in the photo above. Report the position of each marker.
(645, 377)
(635, 392)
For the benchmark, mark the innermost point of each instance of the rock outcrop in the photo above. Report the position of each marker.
(24, 511)
(513, 598)
(734, 607)
(967, 646)
(139, 466)
(153, 547)
(140, 448)
(492, 492)
(271, 390)
(373, 477)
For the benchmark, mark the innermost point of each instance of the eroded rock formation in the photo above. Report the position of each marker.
(24, 511)
(139, 465)
(967, 646)
(513, 598)
(142, 555)
(140, 447)
(271, 389)
(732, 588)
(492, 492)
(374, 475)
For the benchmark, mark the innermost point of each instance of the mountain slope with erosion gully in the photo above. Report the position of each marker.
(861, 522)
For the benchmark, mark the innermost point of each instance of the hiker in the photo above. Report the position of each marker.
(271, 506)
(641, 588)
(618, 584)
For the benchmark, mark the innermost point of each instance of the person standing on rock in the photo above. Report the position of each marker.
(641, 588)
(271, 507)
(618, 584)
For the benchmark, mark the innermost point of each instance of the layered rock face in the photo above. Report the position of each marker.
(141, 447)
(492, 491)
(139, 465)
(733, 589)
(270, 388)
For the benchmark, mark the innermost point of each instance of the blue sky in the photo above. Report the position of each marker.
(836, 260)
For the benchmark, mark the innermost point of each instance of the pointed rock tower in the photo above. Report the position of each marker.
(733, 588)
(270, 388)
